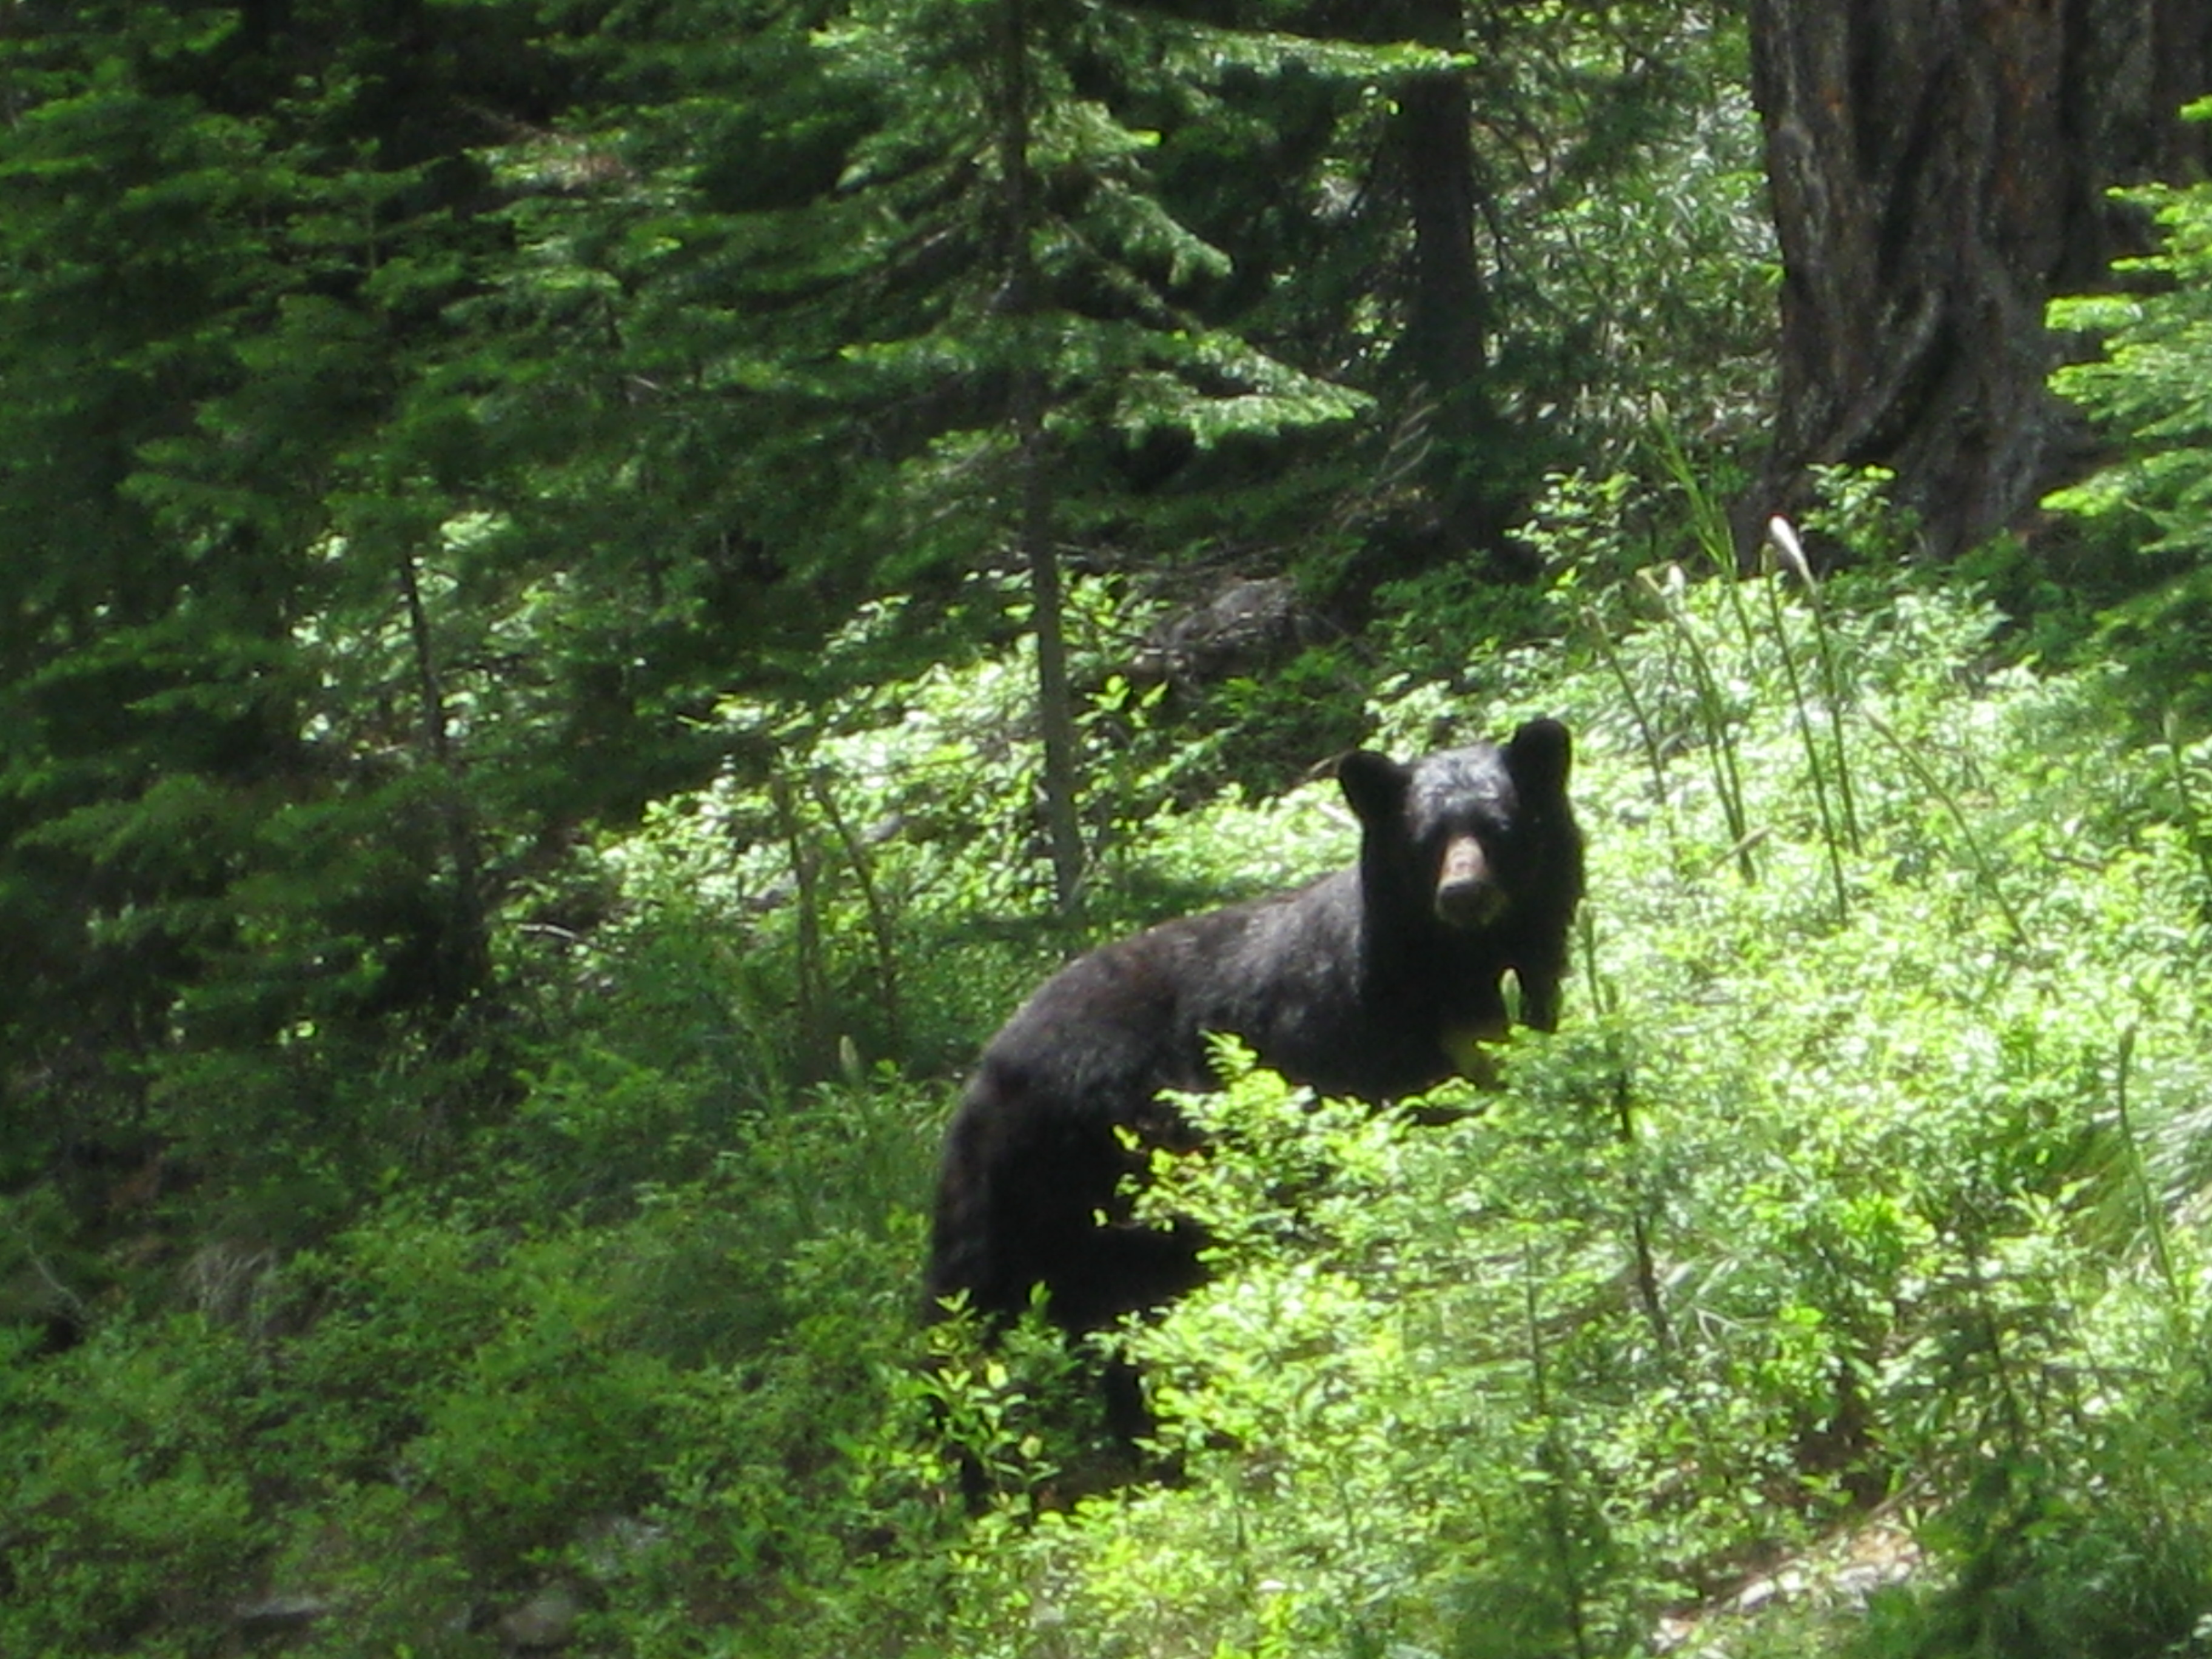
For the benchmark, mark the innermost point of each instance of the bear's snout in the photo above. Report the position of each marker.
(1466, 897)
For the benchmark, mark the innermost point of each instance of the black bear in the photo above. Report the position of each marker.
(1369, 984)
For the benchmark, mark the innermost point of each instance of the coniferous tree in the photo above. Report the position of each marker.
(236, 817)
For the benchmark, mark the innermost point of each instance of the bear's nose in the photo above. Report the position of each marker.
(1466, 894)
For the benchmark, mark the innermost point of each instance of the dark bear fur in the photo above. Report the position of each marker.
(1369, 983)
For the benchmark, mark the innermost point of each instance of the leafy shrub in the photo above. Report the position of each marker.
(1837, 1189)
(131, 1472)
(1864, 1177)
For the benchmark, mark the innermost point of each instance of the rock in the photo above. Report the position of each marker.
(1244, 625)
(546, 1620)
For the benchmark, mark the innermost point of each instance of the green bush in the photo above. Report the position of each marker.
(1861, 1189)
(1839, 1188)
(133, 1469)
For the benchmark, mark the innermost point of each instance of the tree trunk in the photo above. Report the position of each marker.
(1445, 345)
(459, 960)
(1022, 298)
(1446, 320)
(1938, 170)
(1056, 699)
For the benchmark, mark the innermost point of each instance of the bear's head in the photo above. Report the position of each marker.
(1466, 835)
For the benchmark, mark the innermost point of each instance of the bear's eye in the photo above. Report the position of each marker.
(1488, 831)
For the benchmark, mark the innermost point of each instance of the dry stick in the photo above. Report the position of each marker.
(805, 867)
(879, 916)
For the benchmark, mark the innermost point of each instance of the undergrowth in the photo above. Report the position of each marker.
(1859, 1197)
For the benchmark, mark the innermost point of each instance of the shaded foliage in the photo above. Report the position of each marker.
(519, 785)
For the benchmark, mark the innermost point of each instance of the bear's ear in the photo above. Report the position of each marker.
(1539, 757)
(1374, 784)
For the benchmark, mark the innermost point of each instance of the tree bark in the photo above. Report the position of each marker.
(1938, 170)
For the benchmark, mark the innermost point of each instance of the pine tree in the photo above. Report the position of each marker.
(235, 821)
